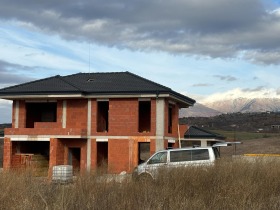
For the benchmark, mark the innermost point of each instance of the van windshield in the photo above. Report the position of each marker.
(160, 157)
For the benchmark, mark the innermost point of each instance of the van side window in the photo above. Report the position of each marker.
(200, 154)
(189, 155)
(178, 156)
(160, 157)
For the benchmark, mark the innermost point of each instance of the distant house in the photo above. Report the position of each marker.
(90, 119)
(200, 137)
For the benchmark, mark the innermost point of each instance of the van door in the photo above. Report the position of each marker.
(159, 160)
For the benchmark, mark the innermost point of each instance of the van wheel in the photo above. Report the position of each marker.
(144, 178)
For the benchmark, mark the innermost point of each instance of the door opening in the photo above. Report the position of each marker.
(143, 151)
(74, 158)
(102, 155)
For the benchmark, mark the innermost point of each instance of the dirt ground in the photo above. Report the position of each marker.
(254, 146)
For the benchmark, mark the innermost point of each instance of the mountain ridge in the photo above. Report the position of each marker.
(242, 105)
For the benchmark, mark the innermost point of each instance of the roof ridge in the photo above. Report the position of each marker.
(69, 83)
(135, 75)
(204, 130)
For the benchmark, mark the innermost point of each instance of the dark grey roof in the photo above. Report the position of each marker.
(196, 132)
(93, 83)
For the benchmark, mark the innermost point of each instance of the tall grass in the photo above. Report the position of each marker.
(227, 185)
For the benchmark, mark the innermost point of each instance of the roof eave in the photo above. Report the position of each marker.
(43, 95)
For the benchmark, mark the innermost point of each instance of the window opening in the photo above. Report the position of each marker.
(144, 116)
(170, 114)
(102, 116)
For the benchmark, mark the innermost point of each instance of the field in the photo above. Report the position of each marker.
(230, 184)
(227, 185)
(252, 143)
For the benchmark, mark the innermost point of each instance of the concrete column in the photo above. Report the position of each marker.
(64, 112)
(16, 114)
(159, 124)
(88, 135)
(203, 143)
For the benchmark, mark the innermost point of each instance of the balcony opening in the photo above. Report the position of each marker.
(40, 112)
(102, 116)
(33, 155)
(170, 118)
(144, 116)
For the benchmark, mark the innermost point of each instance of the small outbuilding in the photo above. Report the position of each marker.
(195, 136)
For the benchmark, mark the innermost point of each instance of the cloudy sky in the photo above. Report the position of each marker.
(207, 50)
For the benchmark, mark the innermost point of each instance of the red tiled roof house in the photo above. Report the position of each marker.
(90, 119)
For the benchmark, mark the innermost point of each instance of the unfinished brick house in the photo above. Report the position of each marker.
(90, 119)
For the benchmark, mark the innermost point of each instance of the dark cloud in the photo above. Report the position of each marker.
(216, 28)
(264, 58)
(226, 78)
(12, 73)
(259, 88)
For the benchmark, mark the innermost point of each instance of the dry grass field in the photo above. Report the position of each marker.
(228, 185)
(268, 145)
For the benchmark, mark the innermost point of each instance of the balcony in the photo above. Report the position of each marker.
(46, 129)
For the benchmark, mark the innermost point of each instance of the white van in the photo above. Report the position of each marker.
(198, 156)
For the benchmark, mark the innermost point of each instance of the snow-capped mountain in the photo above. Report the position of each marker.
(243, 105)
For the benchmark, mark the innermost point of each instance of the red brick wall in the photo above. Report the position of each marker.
(93, 117)
(7, 156)
(183, 129)
(59, 112)
(153, 117)
(93, 155)
(123, 117)
(22, 114)
(123, 121)
(118, 156)
(152, 146)
(77, 114)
